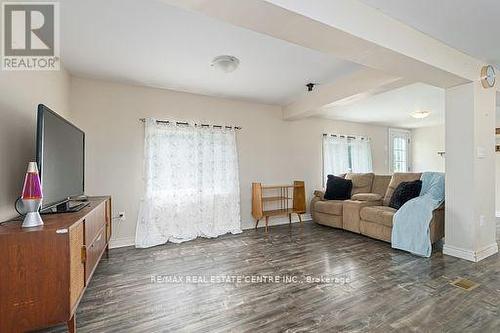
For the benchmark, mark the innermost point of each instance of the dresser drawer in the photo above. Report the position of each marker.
(94, 252)
(76, 264)
(94, 223)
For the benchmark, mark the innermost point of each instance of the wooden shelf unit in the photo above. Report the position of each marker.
(286, 200)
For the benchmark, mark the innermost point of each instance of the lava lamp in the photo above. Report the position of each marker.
(32, 197)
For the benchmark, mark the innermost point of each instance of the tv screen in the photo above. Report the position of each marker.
(60, 157)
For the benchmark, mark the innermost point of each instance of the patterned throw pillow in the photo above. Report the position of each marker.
(404, 192)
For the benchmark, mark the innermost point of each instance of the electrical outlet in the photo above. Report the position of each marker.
(121, 216)
(482, 220)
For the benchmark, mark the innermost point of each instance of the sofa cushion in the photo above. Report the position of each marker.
(404, 192)
(380, 184)
(366, 197)
(398, 178)
(375, 230)
(378, 214)
(361, 182)
(332, 207)
(351, 210)
(337, 188)
(328, 219)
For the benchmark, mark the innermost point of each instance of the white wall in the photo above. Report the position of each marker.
(428, 140)
(470, 222)
(497, 164)
(20, 93)
(426, 143)
(270, 150)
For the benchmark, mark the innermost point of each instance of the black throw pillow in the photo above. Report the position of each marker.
(338, 188)
(404, 192)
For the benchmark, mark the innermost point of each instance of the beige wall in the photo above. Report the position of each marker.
(20, 93)
(426, 143)
(270, 150)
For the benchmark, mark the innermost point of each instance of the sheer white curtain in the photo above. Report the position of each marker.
(361, 155)
(342, 154)
(191, 184)
(335, 155)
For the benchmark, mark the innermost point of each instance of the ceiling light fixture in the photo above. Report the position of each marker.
(225, 63)
(420, 114)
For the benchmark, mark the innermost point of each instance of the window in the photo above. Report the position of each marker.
(399, 150)
(342, 154)
(192, 186)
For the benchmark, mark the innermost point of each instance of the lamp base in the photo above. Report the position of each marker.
(32, 219)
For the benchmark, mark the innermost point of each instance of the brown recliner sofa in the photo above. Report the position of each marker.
(368, 212)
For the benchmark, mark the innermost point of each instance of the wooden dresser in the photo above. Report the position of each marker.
(44, 270)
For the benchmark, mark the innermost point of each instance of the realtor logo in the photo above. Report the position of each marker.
(30, 39)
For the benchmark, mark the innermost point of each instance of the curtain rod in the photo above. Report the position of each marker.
(186, 123)
(347, 136)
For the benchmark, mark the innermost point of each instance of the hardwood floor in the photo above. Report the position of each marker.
(387, 290)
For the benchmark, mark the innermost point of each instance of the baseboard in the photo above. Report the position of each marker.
(130, 241)
(470, 255)
(487, 251)
(121, 242)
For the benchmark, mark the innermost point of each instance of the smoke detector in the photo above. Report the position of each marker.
(225, 63)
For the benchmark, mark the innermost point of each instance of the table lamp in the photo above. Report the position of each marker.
(32, 197)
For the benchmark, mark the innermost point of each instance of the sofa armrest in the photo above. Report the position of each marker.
(366, 197)
(319, 194)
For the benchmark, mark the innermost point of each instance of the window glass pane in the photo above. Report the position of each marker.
(399, 154)
(342, 154)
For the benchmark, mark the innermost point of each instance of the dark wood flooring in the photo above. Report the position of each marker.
(387, 290)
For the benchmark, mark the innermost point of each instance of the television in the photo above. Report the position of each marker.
(60, 155)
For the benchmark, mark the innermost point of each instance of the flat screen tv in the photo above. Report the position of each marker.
(60, 154)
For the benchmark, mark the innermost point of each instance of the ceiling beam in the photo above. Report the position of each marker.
(345, 90)
(349, 30)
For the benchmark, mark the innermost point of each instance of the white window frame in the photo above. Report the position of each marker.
(397, 132)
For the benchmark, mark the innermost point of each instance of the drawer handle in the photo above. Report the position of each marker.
(84, 254)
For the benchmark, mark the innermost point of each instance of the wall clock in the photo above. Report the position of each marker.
(488, 76)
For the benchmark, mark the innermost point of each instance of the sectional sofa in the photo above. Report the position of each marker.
(367, 212)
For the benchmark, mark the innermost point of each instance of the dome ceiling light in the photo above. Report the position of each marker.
(420, 114)
(225, 63)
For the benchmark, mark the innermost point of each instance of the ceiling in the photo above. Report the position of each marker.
(153, 44)
(394, 108)
(472, 27)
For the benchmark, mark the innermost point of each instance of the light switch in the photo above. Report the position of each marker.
(481, 152)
